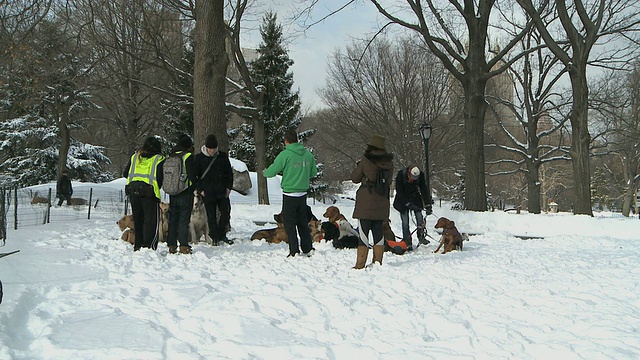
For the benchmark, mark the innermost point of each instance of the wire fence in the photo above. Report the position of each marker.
(22, 207)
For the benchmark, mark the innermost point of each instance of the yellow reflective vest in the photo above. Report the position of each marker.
(145, 170)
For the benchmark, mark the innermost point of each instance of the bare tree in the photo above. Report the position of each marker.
(457, 33)
(622, 110)
(119, 34)
(251, 90)
(585, 24)
(209, 74)
(390, 89)
(532, 122)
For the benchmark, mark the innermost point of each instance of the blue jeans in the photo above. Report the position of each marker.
(179, 217)
(404, 217)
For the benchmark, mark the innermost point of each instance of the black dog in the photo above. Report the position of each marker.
(331, 232)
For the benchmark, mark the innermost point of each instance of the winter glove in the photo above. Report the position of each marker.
(429, 209)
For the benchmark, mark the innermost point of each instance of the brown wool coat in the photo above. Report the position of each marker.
(370, 205)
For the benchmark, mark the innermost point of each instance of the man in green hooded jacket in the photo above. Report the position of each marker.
(297, 166)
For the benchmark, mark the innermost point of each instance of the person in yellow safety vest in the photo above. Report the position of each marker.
(144, 180)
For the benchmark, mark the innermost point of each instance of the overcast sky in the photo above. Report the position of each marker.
(310, 49)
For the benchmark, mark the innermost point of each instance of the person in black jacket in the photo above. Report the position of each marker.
(215, 175)
(412, 195)
(64, 190)
(180, 205)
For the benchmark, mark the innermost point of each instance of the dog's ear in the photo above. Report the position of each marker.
(452, 223)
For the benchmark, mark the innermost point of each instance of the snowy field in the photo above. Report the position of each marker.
(75, 291)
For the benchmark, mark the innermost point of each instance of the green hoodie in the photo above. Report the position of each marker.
(297, 166)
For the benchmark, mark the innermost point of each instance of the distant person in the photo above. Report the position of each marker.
(180, 167)
(64, 190)
(215, 175)
(372, 207)
(144, 180)
(297, 166)
(413, 196)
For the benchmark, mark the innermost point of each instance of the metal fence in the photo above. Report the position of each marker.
(38, 205)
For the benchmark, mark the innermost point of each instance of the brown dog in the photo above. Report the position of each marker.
(273, 235)
(451, 237)
(77, 201)
(39, 199)
(335, 216)
(126, 226)
(278, 234)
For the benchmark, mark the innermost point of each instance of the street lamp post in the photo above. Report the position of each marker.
(425, 133)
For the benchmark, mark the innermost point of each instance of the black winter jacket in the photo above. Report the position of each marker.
(411, 195)
(218, 179)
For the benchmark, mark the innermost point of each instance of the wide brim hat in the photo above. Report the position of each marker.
(377, 141)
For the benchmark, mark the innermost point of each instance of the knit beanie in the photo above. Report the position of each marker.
(212, 142)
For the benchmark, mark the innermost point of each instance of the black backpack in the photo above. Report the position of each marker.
(381, 183)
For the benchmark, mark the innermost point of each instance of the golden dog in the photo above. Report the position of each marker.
(126, 225)
(451, 237)
(163, 226)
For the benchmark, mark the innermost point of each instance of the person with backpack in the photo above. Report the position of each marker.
(374, 172)
(179, 179)
(412, 195)
(298, 166)
(215, 175)
(64, 190)
(144, 180)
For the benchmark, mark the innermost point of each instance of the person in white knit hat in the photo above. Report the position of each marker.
(412, 195)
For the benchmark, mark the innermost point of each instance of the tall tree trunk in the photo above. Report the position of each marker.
(475, 106)
(533, 189)
(209, 73)
(61, 114)
(580, 140)
(261, 159)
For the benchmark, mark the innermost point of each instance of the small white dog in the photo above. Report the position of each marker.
(198, 225)
(346, 229)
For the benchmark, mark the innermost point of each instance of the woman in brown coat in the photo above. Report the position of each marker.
(372, 209)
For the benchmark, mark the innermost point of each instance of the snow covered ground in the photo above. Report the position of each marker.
(76, 291)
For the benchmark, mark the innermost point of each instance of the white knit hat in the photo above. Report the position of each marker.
(415, 173)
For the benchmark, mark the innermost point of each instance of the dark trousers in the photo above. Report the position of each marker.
(180, 207)
(146, 216)
(218, 227)
(294, 210)
(63, 197)
(375, 226)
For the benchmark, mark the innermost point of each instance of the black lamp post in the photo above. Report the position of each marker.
(425, 133)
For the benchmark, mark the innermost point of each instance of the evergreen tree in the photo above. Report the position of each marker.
(34, 142)
(44, 99)
(281, 105)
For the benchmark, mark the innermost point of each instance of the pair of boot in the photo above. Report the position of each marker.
(363, 252)
(183, 249)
